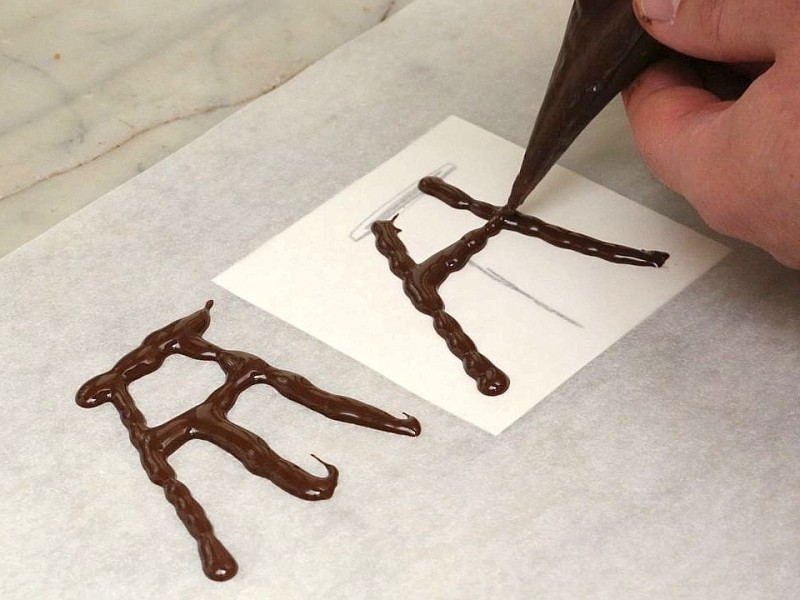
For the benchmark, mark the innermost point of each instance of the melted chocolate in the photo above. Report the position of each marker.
(535, 227)
(421, 284)
(208, 421)
(603, 51)
(421, 281)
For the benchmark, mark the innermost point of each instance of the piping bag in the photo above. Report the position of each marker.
(603, 51)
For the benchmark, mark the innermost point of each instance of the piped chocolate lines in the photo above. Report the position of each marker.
(421, 284)
(534, 227)
(421, 281)
(208, 421)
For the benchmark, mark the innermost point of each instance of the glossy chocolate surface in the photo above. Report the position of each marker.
(603, 51)
(421, 281)
(535, 227)
(421, 284)
(208, 421)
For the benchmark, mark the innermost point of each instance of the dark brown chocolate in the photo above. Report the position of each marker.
(421, 281)
(535, 227)
(603, 51)
(421, 284)
(208, 421)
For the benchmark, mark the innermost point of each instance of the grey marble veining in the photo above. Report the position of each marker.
(94, 92)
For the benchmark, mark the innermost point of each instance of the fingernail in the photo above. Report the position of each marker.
(659, 11)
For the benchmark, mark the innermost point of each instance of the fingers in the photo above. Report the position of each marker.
(684, 134)
(736, 162)
(672, 119)
(722, 30)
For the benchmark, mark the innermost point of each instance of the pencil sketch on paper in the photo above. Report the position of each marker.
(397, 204)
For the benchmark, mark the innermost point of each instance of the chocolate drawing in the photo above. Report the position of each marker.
(208, 421)
(537, 228)
(421, 281)
(421, 284)
(604, 48)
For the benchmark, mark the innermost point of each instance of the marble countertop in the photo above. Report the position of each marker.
(94, 92)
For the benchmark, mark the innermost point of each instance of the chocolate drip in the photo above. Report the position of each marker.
(534, 227)
(209, 421)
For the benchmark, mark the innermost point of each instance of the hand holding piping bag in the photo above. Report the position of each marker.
(737, 161)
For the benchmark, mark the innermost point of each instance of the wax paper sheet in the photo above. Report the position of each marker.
(666, 468)
(324, 275)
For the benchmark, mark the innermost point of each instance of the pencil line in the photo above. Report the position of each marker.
(494, 275)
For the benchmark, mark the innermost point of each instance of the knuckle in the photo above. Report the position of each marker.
(711, 18)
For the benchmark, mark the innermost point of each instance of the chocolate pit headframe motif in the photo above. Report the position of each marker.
(208, 421)
(421, 281)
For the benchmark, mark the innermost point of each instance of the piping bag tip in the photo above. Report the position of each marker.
(603, 50)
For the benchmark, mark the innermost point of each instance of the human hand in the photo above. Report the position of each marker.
(737, 162)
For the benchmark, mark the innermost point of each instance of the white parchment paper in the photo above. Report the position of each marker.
(666, 468)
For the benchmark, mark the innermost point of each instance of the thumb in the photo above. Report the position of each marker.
(722, 156)
(722, 30)
(674, 122)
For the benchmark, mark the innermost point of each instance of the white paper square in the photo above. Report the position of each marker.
(556, 311)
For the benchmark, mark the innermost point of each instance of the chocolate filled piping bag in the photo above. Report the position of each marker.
(603, 51)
